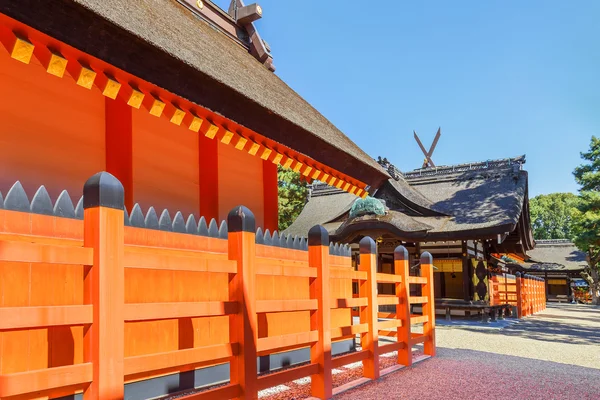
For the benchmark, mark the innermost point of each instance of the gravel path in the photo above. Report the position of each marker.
(553, 355)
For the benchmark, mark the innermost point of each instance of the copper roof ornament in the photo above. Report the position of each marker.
(428, 162)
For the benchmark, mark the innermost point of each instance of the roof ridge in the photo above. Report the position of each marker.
(466, 167)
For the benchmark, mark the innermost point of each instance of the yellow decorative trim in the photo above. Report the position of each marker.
(277, 158)
(266, 153)
(195, 124)
(157, 107)
(177, 117)
(346, 186)
(111, 88)
(339, 184)
(254, 147)
(316, 174)
(212, 131)
(135, 98)
(227, 136)
(288, 163)
(324, 178)
(241, 143)
(56, 65)
(86, 77)
(22, 50)
(307, 170)
(297, 167)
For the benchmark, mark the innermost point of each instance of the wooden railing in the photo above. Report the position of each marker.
(116, 304)
(526, 292)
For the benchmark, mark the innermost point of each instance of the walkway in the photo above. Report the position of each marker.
(554, 355)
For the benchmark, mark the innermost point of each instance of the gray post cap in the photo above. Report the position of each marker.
(103, 190)
(241, 219)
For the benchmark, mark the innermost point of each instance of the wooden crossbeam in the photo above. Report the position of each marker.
(428, 162)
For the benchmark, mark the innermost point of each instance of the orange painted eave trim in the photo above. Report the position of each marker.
(171, 104)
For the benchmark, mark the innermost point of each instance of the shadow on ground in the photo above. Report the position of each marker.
(469, 374)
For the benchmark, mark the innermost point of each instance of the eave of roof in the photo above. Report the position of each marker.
(165, 44)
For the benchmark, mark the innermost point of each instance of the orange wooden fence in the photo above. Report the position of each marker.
(100, 304)
(527, 292)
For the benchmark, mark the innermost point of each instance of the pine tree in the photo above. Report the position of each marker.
(587, 217)
(293, 192)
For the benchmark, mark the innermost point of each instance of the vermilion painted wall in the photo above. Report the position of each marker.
(52, 133)
(51, 130)
(240, 182)
(165, 165)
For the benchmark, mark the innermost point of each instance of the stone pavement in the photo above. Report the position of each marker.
(553, 355)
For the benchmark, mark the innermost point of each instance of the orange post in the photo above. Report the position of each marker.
(103, 200)
(519, 295)
(243, 326)
(401, 268)
(494, 289)
(368, 315)
(429, 307)
(320, 319)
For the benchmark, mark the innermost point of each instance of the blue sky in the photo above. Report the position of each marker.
(500, 77)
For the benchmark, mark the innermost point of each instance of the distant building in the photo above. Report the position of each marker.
(461, 214)
(559, 262)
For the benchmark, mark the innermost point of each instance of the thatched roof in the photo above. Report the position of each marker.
(454, 203)
(164, 43)
(555, 255)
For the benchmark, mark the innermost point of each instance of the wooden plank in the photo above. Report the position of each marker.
(388, 278)
(177, 260)
(348, 330)
(39, 380)
(346, 273)
(419, 339)
(294, 339)
(287, 375)
(387, 300)
(389, 347)
(350, 358)
(281, 261)
(44, 253)
(417, 279)
(156, 311)
(417, 319)
(418, 300)
(349, 302)
(392, 334)
(285, 270)
(38, 317)
(267, 306)
(158, 361)
(223, 392)
(386, 315)
(392, 323)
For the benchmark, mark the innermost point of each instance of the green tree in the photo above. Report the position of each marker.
(587, 216)
(293, 192)
(552, 215)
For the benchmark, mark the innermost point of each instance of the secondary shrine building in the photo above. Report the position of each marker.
(463, 215)
(177, 99)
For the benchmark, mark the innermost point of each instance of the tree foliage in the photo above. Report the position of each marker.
(587, 217)
(293, 192)
(552, 215)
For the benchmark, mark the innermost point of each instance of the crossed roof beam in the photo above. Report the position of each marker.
(428, 162)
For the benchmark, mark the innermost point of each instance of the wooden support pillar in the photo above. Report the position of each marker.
(119, 145)
(270, 196)
(320, 319)
(429, 307)
(104, 286)
(243, 326)
(402, 269)
(208, 177)
(466, 283)
(368, 315)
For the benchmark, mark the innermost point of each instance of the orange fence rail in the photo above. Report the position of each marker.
(102, 304)
(527, 293)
